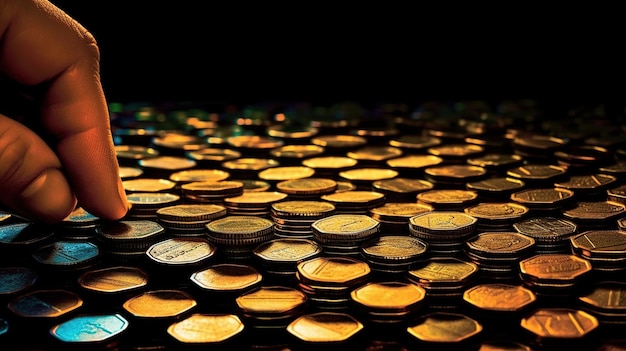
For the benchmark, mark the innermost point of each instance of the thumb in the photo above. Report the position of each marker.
(32, 183)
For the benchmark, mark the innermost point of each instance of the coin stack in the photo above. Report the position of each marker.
(497, 254)
(328, 280)
(355, 201)
(256, 203)
(271, 307)
(128, 240)
(388, 302)
(394, 255)
(394, 216)
(79, 225)
(237, 236)
(211, 192)
(598, 300)
(219, 284)
(279, 257)
(189, 219)
(604, 249)
(143, 206)
(444, 279)
(293, 219)
(551, 234)
(444, 231)
(497, 216)
(554, 276)
(307, 188)
(343, 234)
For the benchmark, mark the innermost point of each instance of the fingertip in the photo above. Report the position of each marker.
(48, 198)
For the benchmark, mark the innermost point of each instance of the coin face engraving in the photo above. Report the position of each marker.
(503, 297)
(555, 266)
(442, 220)
(500, 242)
(333, 269)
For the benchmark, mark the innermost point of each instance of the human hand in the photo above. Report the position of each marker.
(70, 160)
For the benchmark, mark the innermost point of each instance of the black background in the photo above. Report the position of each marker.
(196, 50)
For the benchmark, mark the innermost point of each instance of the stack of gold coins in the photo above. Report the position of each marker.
(255, 203)
(254, 145)
(496, 163)
(401, 189)
(128, 240)
(211, 192)
(149, 185)
(412, 166)
(363, 177)
(293, 219)
(218, 285)
(444, 279)
(212, 157)
(198, 175)
(444, 231)
(595, 215)
(497, 254)
(176, 258)
(538, 175)
(374, 155)
(605, 249)
(237, 236)
(295, 154)
(599, 300)
(327, 329)
(271, 307)
(551, 234)
(343, 234)
(577, 328)
(330, 166)
(307, 188)
(354, 201)
(189, 219)
(496, 189)
(112, 285)
(588, 187)
(206, 330)
(394, 255)
(279, 174)
(448, 199)
(328, 280)
(497, 216)
(176, 143)
(394, 216)
(445, 330)
(499, 306)
(163, 166)
(555, 276)
(145, 205)
(279, 258)
(129, 155)
(388, 302)
(247, 167)
(80, 225)
(339, 145)
(454, 176)
(544, 201)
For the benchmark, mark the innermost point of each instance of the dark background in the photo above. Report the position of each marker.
(196, 50)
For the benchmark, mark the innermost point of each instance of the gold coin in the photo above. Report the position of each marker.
(307, 186)
(281, 173)
(334, 270)
(199, 175)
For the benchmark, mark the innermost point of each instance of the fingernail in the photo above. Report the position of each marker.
(48, 198)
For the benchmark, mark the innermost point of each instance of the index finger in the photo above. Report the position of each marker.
(42, 46)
